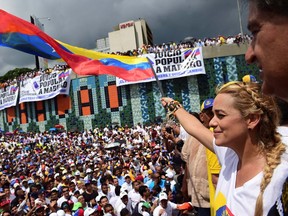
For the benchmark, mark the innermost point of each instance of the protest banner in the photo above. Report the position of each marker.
(8, 96)
(45, 86)
(173, 64)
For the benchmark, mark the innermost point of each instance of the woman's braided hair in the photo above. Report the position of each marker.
(248, 99)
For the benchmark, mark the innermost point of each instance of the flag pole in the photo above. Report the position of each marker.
(32, 20)
(157, 80)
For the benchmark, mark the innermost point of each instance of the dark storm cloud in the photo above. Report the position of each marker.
(80, 23)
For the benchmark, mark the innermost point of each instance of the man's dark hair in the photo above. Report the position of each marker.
(157, 189)
(107, 206)
(136, 214)
(279, 7)
(6, 185)
(179, 145)
(142, 190)
(124, 212)
(117, 190)
(116, 169)
(133, 183)
(195, 114)
(7, 211)
(109, 178)
(104, 184)
(103, 179)
(102, 197)
(16, 191)
(208, 111)
(65, 204)
(64, 187)
(72, 183)
(283, 108)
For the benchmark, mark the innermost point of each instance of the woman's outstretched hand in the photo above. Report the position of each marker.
(165, 101)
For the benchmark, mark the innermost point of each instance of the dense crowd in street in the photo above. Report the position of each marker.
(70, 173)
(136, 172)
(101, 171)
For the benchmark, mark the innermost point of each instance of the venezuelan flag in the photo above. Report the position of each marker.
(19, 34)
(190, 52)
(187, 52)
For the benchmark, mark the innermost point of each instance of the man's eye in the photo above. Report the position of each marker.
(254, 33)
(220, 116)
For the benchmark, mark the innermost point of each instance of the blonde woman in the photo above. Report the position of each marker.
(253, 158)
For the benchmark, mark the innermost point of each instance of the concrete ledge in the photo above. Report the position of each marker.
(211, 52)
(224, 50)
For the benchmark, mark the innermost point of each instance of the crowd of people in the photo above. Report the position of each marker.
(142, 170)
(32, 74)
(97, 172)
(189, 43)
(70, 174)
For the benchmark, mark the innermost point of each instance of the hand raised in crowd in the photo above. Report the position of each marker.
(167, 134)
(53, 206)
(165, 101)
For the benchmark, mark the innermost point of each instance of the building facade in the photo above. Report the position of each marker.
(103, 45)
(96, 101)
(126, 36)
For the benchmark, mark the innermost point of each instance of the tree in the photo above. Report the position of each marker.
(14, 74)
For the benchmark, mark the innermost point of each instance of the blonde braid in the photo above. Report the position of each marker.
(250, 100)
(271, 143)
(273, 159)
(266, 107)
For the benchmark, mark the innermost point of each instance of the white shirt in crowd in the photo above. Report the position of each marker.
(167, 211)
(134, 197)
(127, 186)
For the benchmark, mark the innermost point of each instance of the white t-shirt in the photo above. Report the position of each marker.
(119, 208)
(242, 200)
(114, 200)
(145, 213)
(283, 130)
(127, 186)
(168, 210)
(134, 197)
(183, 134)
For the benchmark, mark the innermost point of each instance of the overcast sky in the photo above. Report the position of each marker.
(82, 22)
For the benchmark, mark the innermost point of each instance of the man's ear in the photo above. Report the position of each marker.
(201, 116)
(253, 120)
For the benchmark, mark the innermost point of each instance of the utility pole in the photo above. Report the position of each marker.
(39, 61)
(240, 19)
(32, 20)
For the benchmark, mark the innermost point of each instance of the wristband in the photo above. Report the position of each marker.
(172, 107)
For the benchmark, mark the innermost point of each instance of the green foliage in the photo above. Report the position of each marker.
(150, 101)
(33, 127)
(15, 126)
(74, 123)
(51, 122)
(14, 73)
(126, 115)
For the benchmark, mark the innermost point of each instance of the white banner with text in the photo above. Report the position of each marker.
(8, 96)
(45, 86)
(173, 64)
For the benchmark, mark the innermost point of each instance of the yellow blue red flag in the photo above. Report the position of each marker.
(19, 34)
